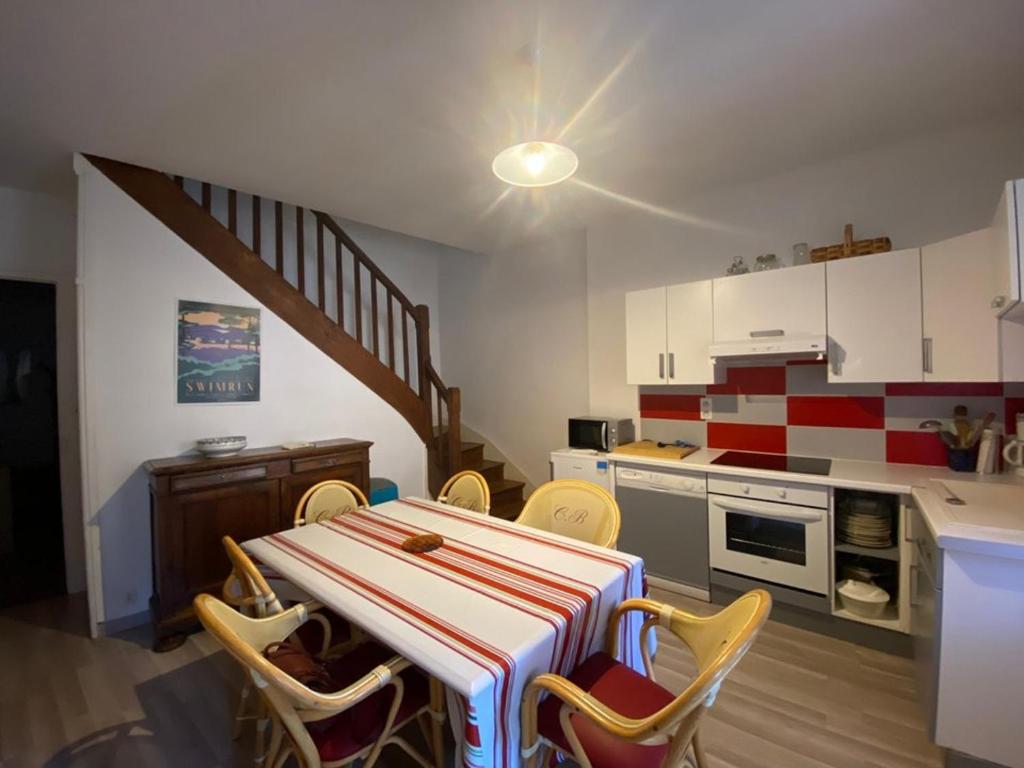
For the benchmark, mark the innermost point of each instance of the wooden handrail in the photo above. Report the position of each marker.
(416, 390)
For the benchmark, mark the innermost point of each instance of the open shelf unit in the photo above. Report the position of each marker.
(886, 567)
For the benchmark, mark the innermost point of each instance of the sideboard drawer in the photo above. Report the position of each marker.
(210, 479)
(323, 462)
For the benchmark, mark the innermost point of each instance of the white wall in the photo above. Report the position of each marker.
(916, 192)
(515, 341)
(37, 242)
(134, 270)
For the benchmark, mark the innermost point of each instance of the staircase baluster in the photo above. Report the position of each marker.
(233, 212)
(256, 234)
(391, 330)
(373, 315)
(320, 263)
(405, 347)
(207, 196)
(357, 293)
(423, 350)
(180, 181)
(339, 282)
(279, 222)
(300, 251)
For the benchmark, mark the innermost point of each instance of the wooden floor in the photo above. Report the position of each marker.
(797, 700)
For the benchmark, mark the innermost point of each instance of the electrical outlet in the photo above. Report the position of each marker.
(705, 408)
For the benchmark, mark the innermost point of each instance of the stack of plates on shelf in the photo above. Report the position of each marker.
(865, 524)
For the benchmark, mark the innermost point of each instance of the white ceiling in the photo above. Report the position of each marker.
(390, 111)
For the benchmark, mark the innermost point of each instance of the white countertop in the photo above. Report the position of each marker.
(991, 522)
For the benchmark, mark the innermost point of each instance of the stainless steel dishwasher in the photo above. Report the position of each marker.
(665, 521)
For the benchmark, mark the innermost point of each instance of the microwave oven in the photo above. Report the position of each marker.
(595, 433)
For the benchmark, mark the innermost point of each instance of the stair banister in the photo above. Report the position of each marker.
(431, 408)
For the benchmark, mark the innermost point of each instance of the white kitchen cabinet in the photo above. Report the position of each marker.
(690, 329)
(874, 318)
(961, 337)
(1007, 253)
(646, 337)
(668, 331)
(790, 301)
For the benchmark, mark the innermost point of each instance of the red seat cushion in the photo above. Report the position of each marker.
(312, 632)
(359, 726)
(621, 689)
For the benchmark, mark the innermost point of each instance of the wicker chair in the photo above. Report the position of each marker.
(605, 715)
(328, 499)
(381, 693)
(574, 508)
(247, 589)
(468, 490)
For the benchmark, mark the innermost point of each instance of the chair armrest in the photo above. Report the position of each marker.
(327, 704)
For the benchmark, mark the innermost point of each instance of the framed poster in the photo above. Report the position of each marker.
(218, 353)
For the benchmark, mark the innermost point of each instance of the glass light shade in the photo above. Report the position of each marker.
(535, 164)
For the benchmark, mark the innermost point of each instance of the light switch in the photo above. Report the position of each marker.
(705, 408)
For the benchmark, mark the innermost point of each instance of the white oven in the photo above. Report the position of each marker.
(769, 531)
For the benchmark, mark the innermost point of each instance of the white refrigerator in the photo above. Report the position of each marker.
(576, 464)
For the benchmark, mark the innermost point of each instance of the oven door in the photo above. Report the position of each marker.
(781, 543)
(589, 434)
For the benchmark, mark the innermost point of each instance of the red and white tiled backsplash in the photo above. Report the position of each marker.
(790, 408)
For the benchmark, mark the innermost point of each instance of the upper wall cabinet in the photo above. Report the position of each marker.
(780, 302)
(1007, 253)
(961, 337)
(874, 318)
(668, 331)
(646, 330)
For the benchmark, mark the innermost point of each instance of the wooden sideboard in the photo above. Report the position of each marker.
(194, 501)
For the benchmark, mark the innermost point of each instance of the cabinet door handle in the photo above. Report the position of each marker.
(926, 353)
(671, 365)
(767, 333)
(661, 365)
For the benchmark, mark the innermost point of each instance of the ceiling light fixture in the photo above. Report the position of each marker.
(535, 164)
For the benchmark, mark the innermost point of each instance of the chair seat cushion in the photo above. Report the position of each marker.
(621, 689)
(359, 726)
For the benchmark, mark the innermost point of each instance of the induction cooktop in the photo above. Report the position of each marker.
(776, 462)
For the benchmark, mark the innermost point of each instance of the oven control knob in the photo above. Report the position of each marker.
(745, 488)
(782, 493)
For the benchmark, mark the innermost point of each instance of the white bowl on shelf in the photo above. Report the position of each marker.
(216, 447)
(862, 599)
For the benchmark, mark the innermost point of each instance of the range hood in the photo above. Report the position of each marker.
(771, 346)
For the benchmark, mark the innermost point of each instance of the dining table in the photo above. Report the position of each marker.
(483, 614)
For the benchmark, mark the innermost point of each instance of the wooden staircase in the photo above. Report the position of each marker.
(305, 269)
(506, 495)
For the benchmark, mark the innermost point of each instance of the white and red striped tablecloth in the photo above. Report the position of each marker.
(495, 606)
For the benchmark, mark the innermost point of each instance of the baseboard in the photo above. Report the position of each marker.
(122, 623)
(960, 760)
(680, 589)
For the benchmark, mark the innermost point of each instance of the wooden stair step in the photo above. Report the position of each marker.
(504, 491)
(507, 511)
(493, 471)
(472, 455)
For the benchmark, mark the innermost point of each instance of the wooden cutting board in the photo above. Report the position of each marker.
(649, 449)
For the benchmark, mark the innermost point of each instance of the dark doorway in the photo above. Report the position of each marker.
(31, 524)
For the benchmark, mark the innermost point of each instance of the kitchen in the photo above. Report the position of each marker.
(803, 430)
